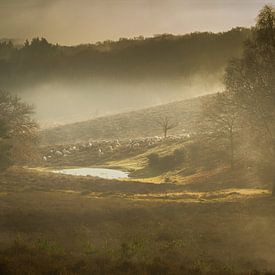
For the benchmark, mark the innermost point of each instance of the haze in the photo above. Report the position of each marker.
(73, 22)
(122, 76)
(137, 137)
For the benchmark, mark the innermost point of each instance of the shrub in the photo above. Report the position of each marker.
(153, 160)
(167, 162)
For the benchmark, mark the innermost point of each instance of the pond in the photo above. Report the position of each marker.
(94, 172)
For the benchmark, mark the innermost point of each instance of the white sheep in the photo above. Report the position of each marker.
(58, 153)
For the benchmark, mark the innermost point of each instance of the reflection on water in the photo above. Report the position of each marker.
(94, 172)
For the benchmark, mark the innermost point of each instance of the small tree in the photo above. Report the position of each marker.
(166, 124)
(219, 121)
(17, 129)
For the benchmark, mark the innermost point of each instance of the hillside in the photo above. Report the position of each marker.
(141, 123)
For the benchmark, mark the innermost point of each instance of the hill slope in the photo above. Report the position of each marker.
(134, 124)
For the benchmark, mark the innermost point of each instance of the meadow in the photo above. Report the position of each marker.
(60, 224)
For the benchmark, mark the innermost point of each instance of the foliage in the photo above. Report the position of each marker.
(251, 80)
(17, 129)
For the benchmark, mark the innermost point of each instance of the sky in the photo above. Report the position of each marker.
(70, 22)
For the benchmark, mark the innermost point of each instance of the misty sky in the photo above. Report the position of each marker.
(84, 21)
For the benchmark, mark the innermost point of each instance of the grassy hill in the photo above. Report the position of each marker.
(141, 123)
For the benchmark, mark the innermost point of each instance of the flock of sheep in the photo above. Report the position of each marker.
(103, 148)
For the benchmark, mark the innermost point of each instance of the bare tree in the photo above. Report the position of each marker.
(220, 116)
(166, 124)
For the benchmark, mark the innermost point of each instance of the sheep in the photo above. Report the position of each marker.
(100, 152)
(135, 145)
(58, 153)
(45, 158)
(117, 144)
(66, 152)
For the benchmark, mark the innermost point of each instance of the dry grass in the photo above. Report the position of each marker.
(176, 230)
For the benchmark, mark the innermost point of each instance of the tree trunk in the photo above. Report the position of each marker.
(232, 150)
(273, 172)
(165, 133)
(273, 187)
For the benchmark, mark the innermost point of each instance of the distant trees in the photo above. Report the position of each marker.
(166, 56)
(166, 123)
(17, 129)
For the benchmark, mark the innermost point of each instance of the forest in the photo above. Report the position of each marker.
(164, 55)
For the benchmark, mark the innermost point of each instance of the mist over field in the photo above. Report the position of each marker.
(69, 84)
(59, 103)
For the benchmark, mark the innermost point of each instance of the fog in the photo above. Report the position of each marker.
(98, 84)
(61, 102)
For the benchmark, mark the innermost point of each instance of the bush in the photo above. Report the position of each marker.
(179, 155)
(153, 160)
(167, 162)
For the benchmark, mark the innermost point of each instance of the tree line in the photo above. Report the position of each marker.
(165, 56)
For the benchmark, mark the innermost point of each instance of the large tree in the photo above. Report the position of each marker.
(251, 79)
(17, 129)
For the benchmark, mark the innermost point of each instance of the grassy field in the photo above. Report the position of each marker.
(84, 225)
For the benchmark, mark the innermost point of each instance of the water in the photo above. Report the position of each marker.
(94, 172)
